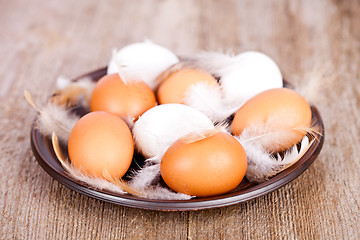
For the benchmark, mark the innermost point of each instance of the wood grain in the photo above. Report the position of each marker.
(314, 42)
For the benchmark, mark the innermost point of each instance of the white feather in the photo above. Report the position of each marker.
(208, 99)
(145, 176)
(162, 193)
(97, 183)
(211, 62)
(56, 119)
(274, 136)
(263, 165)
(138, 184)
(147, 181)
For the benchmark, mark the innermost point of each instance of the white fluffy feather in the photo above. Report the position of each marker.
(140, 184)
(162, 193)
(155, 192)
(97, 183)
(211, 62)
(57, 118)
(208, 99)
(145, 176)
(53, 118)
(262, 165)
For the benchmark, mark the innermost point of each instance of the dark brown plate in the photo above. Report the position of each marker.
(45, 155)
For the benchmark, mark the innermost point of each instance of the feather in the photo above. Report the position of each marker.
(139, 187)
(30, 100)
(274, 137)
(204, 133)
(211, 62)
(56, 119)
(162, 193)
(262, 165)
(201, 96)
(316, 81)
(53, 118)
(208, 100)
(114, 185)
(147, 180)
(144, 177)
(73, 93)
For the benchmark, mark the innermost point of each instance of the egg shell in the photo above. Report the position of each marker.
(250, 73)
(207, 167)
(101, 144)
(280, 116)
(173, 89)
(162, 125)
(127, 99)
(143, 60)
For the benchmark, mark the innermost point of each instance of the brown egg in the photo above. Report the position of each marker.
(127, 99)
(207, 167)
(101, 142)
(173, 88)
(279, 116)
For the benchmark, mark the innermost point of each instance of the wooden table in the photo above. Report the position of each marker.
(314, 42)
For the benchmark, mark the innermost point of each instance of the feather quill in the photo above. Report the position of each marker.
(262, 165)
(147, 180)
(114, 185)
(144, 177)
(139, 186)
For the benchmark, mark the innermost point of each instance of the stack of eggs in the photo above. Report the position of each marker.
(169, 109)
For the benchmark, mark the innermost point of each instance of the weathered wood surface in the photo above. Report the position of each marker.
(41, 40)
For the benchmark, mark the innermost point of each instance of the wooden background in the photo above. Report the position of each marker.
(41, 40)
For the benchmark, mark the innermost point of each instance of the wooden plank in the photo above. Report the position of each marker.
(72, 37)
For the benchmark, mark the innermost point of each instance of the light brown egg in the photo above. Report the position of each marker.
(280, 117)
(128, 99)
(207, 167)
(100, 144)
(173, 88)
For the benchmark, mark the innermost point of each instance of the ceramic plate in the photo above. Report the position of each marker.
(45, 155)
